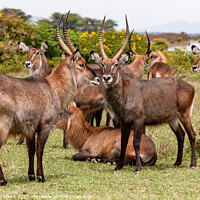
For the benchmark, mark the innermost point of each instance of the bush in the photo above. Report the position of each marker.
(159, 44)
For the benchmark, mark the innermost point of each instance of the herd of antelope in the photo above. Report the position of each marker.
(74, 93)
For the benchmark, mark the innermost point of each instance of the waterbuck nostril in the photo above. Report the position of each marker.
(195, 68)
(27, 64)
(106, 78)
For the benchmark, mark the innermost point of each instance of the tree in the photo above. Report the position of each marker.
(18, 12)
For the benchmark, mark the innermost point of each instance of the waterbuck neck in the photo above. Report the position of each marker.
(43, 69)
(62, 84)
(80, 130)
(114, 95)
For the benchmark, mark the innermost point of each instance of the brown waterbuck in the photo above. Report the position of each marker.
(36, 62)
(158, 67)
(102, 143)
(137, 67)
(31, 105)
(136, 103)
(196, 65)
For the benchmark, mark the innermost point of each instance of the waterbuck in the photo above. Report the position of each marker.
(158, 67)
(102, 143)
(31, 105)
(196, 65)
(36, 62)
(136, 103)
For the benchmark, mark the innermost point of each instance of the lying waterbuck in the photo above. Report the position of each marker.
(32, 104)
(196, 65)
(103, 143)
(136, 103)
(158, 67)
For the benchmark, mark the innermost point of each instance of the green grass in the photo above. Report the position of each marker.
(66, 179)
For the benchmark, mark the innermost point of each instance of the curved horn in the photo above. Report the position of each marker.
(62, 44)
(130, 46)
(116, 57)
(149, 43)
(68, 41)
(101, 40)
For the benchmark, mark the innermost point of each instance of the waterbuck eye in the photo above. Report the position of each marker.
(37, 52)
(81, 65)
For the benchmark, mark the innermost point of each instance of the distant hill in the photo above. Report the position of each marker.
(174, 27)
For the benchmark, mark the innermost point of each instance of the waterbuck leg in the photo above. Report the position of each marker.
(108, 119)
(125, 132)
(180, 135)
(3, 136)
(186, 121)
(30, 142)
(139, 129)
(98, 116)
(41, 140)
(65, 141)
(82, 155)
(21, 140)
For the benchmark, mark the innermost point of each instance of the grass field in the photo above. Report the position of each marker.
(66, 179)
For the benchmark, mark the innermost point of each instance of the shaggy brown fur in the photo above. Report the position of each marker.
(32, 104)
(103, 143)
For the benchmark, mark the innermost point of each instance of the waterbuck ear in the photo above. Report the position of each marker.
(96, 58)
(44, 47)
(62, 55)
(23, 47)
(76, 56)
(124, 58)
(195, 50)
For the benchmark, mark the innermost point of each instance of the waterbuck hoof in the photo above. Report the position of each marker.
(177, 164)
(137, 172)
(3, 183)
(31, 177)
(119, 167)
(41, 179)
(193, 168)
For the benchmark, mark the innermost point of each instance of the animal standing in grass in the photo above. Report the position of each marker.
(136, 103)
(102, 143)
(31, 105)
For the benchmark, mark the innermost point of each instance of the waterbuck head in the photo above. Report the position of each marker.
(139, 61)
(36, 58)
(111, 66)
(155, 56)
(81, 73)
(196, 65)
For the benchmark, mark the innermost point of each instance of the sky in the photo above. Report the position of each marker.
(140, 13)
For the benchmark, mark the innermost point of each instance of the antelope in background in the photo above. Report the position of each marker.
(36, 62)
(32, 104)
(102, 143)
(158, 67)
(137, 67)
(196, 65)
(137, 103)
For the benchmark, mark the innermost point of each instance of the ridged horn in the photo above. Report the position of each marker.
(62, 44)
(130, 46)
(119, 53)
(101, 40)
(68, 41)
(149, 43)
